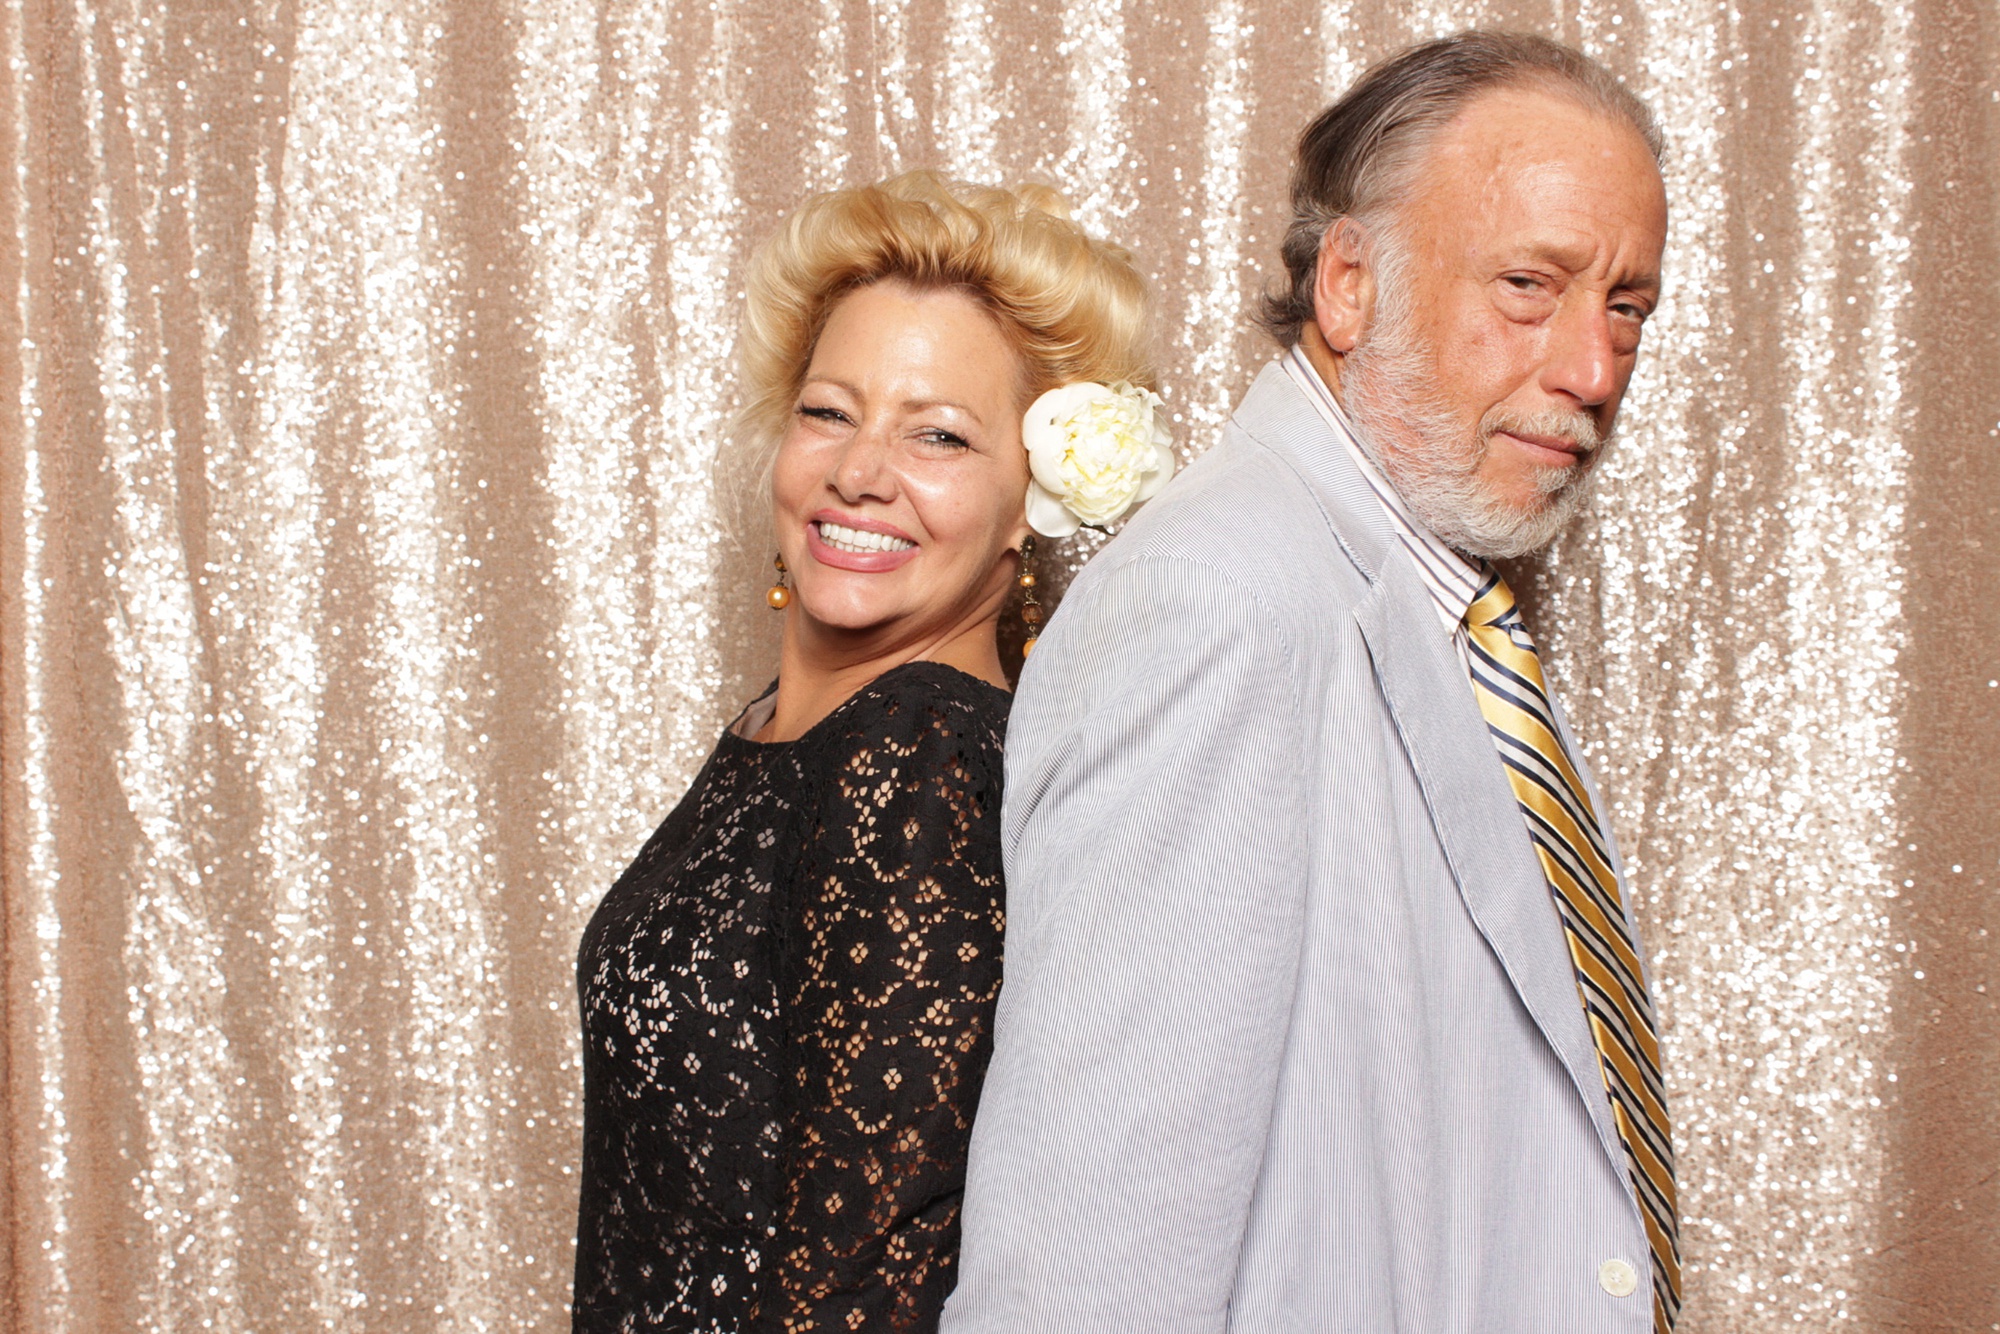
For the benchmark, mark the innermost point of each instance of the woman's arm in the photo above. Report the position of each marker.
(894, 970)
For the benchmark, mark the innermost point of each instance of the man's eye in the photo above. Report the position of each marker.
(1523, 282)
(1632, 312)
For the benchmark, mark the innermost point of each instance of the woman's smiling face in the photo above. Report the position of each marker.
(900, 482)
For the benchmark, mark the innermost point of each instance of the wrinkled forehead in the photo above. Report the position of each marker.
(1523, 166)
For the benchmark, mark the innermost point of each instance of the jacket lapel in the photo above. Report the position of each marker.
(1479, 823)
(1424, 684)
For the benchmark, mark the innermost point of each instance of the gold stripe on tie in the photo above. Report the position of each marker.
(1569, 840)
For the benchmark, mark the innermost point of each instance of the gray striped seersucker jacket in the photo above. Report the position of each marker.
(1289, 1039)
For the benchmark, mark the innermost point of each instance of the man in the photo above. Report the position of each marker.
(1323, 1009)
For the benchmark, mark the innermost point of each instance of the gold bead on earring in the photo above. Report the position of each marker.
(780, 596)
(1031, 610)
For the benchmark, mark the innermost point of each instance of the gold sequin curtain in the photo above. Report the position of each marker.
(363, 599)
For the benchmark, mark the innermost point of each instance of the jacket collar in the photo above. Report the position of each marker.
(1277, 415)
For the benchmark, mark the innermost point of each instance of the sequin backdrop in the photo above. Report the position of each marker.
(365, 602)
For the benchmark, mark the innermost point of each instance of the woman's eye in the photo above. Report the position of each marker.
(821, 413)
(937, 436)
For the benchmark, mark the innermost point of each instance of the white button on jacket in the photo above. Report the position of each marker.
(1617, 1278)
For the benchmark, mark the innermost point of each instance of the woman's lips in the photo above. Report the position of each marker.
(865, 562)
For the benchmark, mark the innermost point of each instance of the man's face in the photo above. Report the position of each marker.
(1493, 364)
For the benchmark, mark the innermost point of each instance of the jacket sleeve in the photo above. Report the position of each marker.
(890, 990)
(1155, 889)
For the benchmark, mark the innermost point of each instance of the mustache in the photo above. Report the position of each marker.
(1573, 426)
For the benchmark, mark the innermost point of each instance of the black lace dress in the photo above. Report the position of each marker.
(787, 1011)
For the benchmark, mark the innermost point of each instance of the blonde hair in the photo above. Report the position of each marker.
(1072, 304)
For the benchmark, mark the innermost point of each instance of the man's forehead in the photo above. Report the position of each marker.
(1541, 175)
(1525, 121)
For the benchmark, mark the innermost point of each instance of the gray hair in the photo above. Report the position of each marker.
(1359, 157)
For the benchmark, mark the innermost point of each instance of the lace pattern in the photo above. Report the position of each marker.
(787, 1005)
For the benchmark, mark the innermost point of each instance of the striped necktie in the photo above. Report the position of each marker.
(1507, 678)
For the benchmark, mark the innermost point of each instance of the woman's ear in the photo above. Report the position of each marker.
(1343, 286)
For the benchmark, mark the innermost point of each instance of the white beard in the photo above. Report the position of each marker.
(1432, 458)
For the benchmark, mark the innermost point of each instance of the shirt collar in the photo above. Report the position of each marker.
(1453, 581)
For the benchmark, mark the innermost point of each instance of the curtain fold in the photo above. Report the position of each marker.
(366, 592)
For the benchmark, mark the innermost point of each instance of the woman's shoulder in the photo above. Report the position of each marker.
(926, 691)
(922, 705)
(936, 685)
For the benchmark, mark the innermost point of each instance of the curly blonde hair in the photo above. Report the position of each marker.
(1073, 305)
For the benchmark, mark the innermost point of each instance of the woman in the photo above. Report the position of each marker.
(787, 997)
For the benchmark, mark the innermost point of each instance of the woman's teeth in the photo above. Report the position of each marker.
(859, 541)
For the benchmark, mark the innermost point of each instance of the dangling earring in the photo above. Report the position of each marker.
(780, 596)
(1031, 610)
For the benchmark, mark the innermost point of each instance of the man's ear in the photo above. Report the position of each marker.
(1343, 286)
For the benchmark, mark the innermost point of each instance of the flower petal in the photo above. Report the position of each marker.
(1162, 472)
(1048, 515)
(1043, 428)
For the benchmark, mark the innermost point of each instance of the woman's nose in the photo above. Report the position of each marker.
(862, 471)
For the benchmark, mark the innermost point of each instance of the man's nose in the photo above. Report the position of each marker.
(1583, 360)
(862, 471)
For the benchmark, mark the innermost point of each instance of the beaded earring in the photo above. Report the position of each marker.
(1031, 610)
(779, 596)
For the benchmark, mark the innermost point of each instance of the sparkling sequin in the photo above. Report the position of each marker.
(370, 594)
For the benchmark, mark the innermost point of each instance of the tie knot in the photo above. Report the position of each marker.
(1493, 604)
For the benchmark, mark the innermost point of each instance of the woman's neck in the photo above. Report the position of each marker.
(817, 673)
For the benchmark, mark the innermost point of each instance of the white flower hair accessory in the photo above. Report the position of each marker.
(1095, 451)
